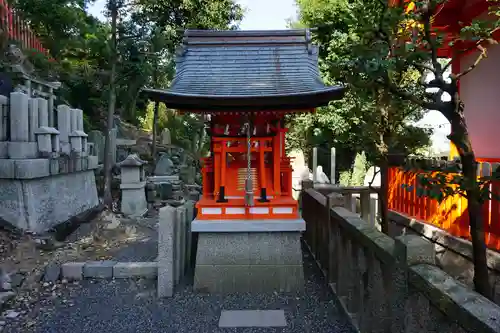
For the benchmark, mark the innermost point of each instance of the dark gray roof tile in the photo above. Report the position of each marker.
(242, 64)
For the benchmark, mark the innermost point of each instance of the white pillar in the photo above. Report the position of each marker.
(332, 165)
(315, 164)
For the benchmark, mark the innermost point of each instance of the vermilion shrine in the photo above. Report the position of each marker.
(244, 83)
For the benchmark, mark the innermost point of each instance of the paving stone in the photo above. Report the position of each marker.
(135, 269)
(11, 314)
(252, 318)
(52, 273)
(99, 269)
(73, 270)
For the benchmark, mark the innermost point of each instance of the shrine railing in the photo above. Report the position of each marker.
(451, 214)
(17, 29)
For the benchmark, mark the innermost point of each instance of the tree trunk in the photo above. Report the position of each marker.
(384, 104)
(382, 198)
(460, 138)
(155, 133)
(108, 199)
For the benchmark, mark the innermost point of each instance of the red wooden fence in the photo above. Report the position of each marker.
(17, 29)
(451, 214)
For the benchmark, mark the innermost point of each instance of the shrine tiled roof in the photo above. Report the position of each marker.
(247, 70)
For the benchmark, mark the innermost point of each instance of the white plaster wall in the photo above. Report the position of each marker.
(480, 91)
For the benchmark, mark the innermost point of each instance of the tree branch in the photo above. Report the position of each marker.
(437, 71)
(409, 97)
(481, 56)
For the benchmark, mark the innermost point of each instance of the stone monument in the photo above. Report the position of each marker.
(46, 174)
(133, 183)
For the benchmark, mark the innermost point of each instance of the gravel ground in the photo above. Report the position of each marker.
(131, 306)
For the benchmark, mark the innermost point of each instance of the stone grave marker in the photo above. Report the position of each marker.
(98, 139)
(164, 166)
(165, 137)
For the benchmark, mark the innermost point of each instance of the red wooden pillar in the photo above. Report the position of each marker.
(217, 168)
(222, 184)
(277, 163)
(262, 171)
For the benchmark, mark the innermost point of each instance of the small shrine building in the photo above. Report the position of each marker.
(244, 83)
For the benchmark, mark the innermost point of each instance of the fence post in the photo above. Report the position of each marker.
(315, 165)
(332, 165)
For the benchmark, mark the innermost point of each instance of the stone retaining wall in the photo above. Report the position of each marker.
(453, 255)
(46, 173)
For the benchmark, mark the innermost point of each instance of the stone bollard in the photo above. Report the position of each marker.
(166, 229)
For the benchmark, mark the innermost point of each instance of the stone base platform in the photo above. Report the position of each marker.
(39, 204)
(262, 259)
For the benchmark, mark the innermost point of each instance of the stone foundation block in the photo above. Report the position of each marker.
(72, 270)
(21, 150)
(135, 269)
(7, 168)
(227, 279)
(99, 269)
(38, 204)
(32, 168)
(249, 262)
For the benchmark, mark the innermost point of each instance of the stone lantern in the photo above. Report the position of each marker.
(133, 201)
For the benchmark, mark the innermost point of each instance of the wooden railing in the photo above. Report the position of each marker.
(450, 215)
(17, 29)
(386, 284)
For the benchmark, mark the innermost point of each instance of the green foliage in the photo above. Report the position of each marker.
(449, 181)
(357, 122)
(186, 131)
(359, 169)
(345, 178)
(147, 37)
